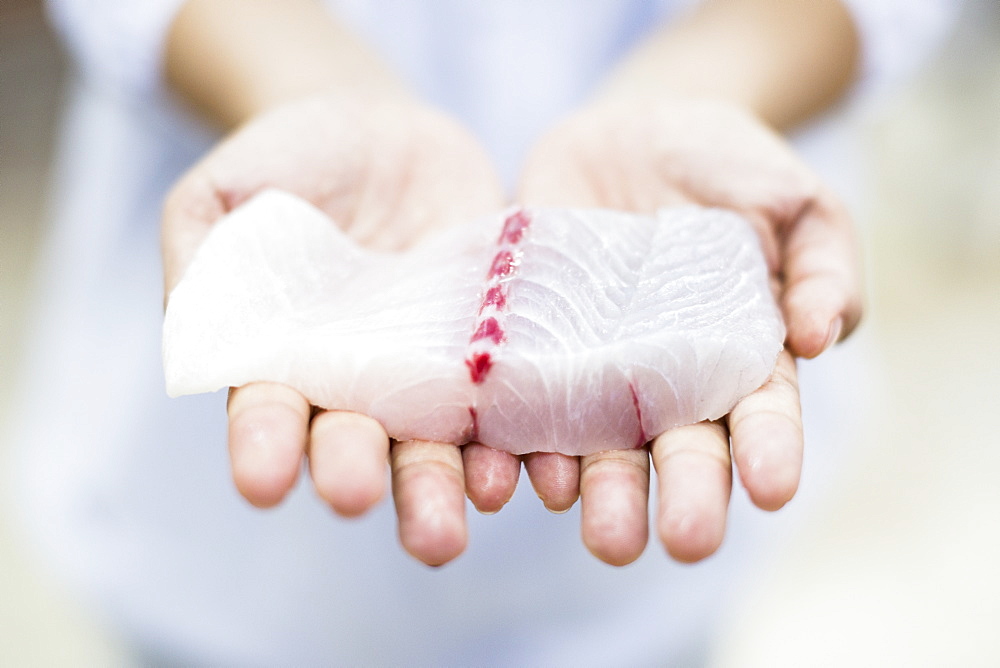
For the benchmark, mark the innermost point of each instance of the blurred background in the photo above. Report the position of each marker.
(900, 565)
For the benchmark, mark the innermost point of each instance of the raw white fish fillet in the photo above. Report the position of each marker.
(561, 330)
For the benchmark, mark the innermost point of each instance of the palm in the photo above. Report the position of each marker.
(389, 174)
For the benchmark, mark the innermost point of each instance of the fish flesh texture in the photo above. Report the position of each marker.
(555, 330)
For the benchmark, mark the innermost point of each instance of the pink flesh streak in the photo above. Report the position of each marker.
(643, 437)
(474, 429)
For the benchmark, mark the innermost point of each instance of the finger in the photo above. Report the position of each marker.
(428, 486)
(348, 454)
(766, 429)
(696, 479)
(268, 428)
(490, 476)
(822, 300)
(555, 477)
(614, 493)
(189, 211)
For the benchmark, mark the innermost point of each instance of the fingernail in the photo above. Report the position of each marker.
(834, 334)
(556, 512)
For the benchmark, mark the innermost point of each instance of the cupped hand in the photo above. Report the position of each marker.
(389, 172)
(642, 156)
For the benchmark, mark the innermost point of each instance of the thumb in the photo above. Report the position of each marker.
(822, 299)
(189, 211)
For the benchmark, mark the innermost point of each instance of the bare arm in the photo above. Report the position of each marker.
(233, 59)
(785, 60)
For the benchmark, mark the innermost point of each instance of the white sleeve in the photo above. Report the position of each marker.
(116, 43)
(897, 36)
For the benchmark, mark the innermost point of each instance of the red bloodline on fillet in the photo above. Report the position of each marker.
(495, 297)
(503, 265)
(488, 329)
(479, 365)
(513, 227)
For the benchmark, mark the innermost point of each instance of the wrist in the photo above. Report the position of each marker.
(618, 109)
(782, 60)
(678, 89)
(336, 94)
(233, 59)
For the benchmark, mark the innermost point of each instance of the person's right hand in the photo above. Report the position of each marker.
(389, 172)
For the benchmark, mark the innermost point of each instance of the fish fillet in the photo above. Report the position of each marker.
(553, 330)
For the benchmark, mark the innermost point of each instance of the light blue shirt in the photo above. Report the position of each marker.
(128, 493)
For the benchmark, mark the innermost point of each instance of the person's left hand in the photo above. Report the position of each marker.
(641, 157)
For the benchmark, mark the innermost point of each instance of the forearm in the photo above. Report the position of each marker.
(786, 60)
(232, 59)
